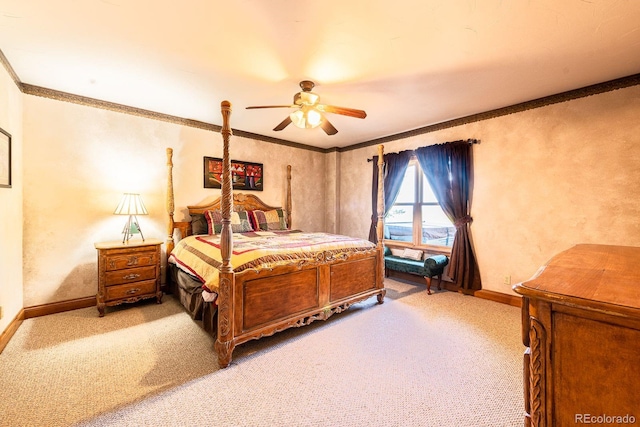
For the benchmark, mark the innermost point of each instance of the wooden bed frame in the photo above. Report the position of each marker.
(257, 303)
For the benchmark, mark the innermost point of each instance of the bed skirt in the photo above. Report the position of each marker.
(188, 290)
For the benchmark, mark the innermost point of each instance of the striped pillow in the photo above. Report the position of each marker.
(270, 220)
(252, 221)
(239, 222)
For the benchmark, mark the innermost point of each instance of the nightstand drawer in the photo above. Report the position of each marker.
(139, 259)
(130, 290)
(130, 275)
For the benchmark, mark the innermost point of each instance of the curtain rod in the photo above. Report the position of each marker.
(470, 141)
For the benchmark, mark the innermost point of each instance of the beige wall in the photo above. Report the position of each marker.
(332, 192)
(545, 180)
(11, 205)
(81, 160)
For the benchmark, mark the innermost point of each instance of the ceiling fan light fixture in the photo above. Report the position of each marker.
(314, 118)
(297, 118)
(309, 98)
(306, 118)
(309, 112)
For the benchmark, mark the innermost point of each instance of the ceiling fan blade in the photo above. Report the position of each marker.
(328, 127)
(351, 112)
(271, 106)
(283, 124)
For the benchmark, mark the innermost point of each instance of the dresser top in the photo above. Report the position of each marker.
(601, 273)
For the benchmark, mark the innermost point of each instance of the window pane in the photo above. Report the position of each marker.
(407, 192)
(427, 193)
(398, 224)
(436, 227)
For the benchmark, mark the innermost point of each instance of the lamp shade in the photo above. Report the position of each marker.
(306, 117)
(131, 204)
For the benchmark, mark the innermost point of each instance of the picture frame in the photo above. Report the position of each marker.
(5, 159)
(246, 176)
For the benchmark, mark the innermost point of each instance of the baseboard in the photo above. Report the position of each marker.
(513, 300)
(450, 286)
(58, 307)
(5, 337)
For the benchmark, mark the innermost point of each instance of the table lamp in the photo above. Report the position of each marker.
(131, 204)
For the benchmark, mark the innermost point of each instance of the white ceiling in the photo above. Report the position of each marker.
(408, 63)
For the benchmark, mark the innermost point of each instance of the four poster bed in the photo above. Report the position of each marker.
(246, 283)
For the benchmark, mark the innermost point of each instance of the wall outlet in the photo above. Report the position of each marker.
(507, 280)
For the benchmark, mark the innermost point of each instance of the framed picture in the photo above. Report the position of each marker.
(5, 159)
(244, 175)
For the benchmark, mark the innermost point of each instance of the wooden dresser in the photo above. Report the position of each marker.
(581, 327)
(128, 272)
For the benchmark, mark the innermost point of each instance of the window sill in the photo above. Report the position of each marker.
(444, 250)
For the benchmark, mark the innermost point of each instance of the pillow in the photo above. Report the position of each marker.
(397, 252)
(414, 254)
(270, 220)
(239, 222)
(252, 220)
(199, 224)
(437, 261)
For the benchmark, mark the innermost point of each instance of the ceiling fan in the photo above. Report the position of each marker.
(309, 111)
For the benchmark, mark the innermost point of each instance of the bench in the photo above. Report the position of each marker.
(431, 267)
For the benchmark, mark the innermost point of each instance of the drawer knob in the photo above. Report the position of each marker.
(133, 291)
(131, 276)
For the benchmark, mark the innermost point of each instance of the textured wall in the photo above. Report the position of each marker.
(11, 204)
(545, 180)
(332, 192)
(81, 160)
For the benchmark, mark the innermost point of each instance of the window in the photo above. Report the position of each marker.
(416, 217)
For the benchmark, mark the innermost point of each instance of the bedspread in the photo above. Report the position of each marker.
(200, 255)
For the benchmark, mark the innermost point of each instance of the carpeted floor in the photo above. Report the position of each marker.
(416, 360)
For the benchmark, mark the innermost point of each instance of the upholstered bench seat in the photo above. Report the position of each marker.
(431, 267)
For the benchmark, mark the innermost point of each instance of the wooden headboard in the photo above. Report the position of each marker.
(241, 202)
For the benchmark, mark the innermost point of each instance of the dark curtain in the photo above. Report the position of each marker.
(448, 170)
(394, 169)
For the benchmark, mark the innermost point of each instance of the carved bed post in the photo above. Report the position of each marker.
(380, 223)
(288, 205)
(170, 201)
(225, 342)
(226, 202)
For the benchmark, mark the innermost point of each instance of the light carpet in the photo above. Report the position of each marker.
(417, 360)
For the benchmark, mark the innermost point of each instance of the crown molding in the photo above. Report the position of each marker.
(7, 66)
(608, 86)
(120, 108)
(583, 92)
(112, 106)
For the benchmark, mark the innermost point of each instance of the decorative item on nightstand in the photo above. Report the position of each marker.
(131, 204)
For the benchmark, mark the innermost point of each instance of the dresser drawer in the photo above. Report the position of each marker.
(130, 290)
(130, 275)
(118, 261)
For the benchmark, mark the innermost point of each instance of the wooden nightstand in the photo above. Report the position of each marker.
(128, 272)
